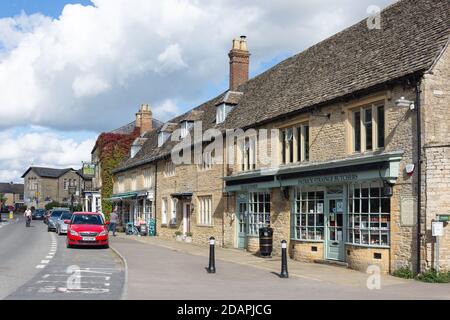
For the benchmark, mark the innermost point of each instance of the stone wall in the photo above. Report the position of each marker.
(307, 251)
(436, 157)
(360, 258)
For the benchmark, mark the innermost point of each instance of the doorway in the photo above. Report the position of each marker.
(335, 239)
(186, 218)
(242, 222)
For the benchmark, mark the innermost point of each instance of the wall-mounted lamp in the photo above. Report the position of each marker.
(402, 102)
(388, 190)
(285, 192)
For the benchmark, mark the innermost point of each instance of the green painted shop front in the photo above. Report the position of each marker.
(349, 207)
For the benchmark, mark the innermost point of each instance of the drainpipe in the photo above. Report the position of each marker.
(154, 193)
(419, 175)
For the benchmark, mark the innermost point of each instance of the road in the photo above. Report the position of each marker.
(35, 264)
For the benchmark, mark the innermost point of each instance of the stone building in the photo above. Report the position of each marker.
(13, 192)
(45, 185)
(144, 123)
(344, 149)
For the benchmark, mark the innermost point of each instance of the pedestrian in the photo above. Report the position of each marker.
(113, 220)
(27, 216)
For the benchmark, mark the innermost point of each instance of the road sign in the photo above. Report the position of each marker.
(437, 229)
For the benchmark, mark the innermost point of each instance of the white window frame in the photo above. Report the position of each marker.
(173, 211)
(257, 218)
(148, 179)
(162, 138)
(207, 162)
(164, 207)
(222, 112)
(169, 170)
(204, 217)
(248, 149)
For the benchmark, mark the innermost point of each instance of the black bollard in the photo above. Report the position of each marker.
(284, 269)
(212, 262)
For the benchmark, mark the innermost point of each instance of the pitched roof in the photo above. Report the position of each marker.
(15, 188)
(47, 172)
(413, 33)
(129, 128)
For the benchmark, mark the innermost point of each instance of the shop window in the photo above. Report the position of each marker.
(308, 214)
(259, 212)
(368, 215)
(205, 211)
(368, 126)
(164, 207)
(295, 144)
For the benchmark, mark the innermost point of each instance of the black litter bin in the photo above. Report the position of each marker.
(265, 241)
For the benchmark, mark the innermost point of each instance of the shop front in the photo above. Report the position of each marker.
(339, 211)
(134, 207)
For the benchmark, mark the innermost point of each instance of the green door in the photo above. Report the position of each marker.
(335, 230)
(242, 220)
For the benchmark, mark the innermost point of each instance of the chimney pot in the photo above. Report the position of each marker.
(239, 63)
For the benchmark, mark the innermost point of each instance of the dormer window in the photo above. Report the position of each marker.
(186, 127)
(162, 138)
(222, 112)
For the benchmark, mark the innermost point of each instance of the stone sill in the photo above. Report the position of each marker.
(204, 225)
(308, 241)
(367, 246)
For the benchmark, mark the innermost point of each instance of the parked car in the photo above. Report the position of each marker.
(55, 214)
(87, 229)
(61, 226)
(38, 214)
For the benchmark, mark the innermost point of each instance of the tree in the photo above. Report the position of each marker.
(3, 200)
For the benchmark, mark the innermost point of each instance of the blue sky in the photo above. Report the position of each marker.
(50, 8)
(66, 79)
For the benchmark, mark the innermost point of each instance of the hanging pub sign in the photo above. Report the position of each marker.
(88, 169)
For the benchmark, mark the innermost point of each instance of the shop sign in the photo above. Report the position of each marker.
(88, 169)
(437, 229)
(329, 179)
(444, 217)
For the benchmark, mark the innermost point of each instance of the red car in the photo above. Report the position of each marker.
(87, 229)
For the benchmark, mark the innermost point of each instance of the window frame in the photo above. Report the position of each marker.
(374, 108)
(256, 218)
(355, 221)
(298, 216)
(297, 148)
(164, 206)
(205, 211)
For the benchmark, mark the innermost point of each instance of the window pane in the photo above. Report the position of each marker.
(283, 146)
(357, 130)
(306, 135)
(368, 128)
(380, 128)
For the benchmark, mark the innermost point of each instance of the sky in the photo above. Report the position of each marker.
(70, 69)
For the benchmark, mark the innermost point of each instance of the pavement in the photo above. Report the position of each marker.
(162, 269)
(36, 265)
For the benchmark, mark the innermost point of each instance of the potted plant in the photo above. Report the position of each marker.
(179, 236)
(188, 238)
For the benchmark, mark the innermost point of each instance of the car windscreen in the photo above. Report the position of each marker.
(66, 216)
(87, 219)
(57, 214)
(40, 211)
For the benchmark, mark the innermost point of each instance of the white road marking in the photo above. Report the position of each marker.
(40, 266)
(49, 257)
(45, 261)
(84, 290)
(46, 276)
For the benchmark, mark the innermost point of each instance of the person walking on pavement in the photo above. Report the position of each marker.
(27, 216)
(113, 220)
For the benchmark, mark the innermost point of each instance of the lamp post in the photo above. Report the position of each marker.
(72, 191)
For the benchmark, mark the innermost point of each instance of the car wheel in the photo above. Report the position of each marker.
(69, 246)
(48, 230)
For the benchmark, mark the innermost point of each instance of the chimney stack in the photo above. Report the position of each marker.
(239, 63)
(144, 119)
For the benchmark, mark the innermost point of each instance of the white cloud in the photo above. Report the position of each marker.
(19, 151)
(108, 58)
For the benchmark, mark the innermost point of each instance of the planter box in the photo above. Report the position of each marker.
(179, 238)
(188, 240)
